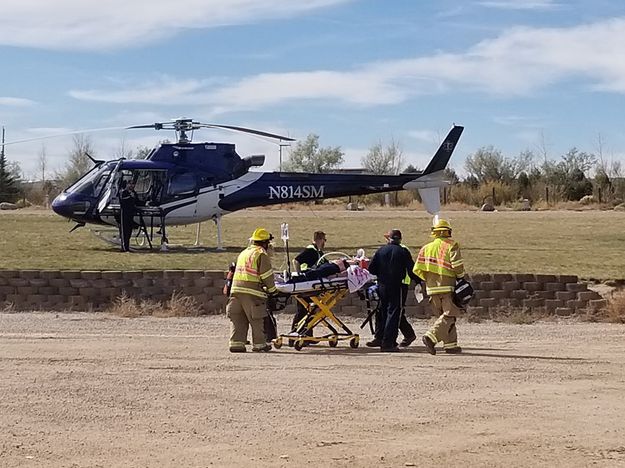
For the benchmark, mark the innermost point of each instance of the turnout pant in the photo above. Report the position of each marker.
(245, 310)
(444, 329)
(390, 312)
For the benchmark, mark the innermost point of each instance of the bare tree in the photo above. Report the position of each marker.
(42, 162)
(384, 159)
(142, 152)
(541, 147)
(78, 162)
(123, 151)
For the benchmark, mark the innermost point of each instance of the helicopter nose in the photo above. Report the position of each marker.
(68, 206)
(63, 206)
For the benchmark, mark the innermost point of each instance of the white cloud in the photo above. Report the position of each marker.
(518, 62)
(521, 4)
(15, 102)
(427, 136)
(163, 90)
(89, 25)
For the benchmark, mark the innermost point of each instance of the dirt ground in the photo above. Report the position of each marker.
(97, 390)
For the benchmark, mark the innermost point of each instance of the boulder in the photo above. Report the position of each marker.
(8, 206)
(587, 200)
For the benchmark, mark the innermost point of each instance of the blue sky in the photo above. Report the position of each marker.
(535, 74)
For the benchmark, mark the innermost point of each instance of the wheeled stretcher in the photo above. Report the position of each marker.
(319, 297)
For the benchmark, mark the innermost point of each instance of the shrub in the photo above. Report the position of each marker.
(178, 305)
(613, 313)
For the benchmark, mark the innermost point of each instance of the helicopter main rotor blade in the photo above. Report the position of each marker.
(155, 126)
(76, 132)
(249, 130)
(142, 126)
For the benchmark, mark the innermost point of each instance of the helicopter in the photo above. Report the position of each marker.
(188, 182)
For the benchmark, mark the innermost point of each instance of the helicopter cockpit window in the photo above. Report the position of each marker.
(182, 184)
(92, 183)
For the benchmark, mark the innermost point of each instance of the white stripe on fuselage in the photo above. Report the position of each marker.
(205, 205)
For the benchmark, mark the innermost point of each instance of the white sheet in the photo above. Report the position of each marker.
(356, 278)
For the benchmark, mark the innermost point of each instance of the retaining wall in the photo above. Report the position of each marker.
(95, 290)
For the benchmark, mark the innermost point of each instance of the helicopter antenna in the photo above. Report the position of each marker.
(97, 162)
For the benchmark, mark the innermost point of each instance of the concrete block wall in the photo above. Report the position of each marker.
(554, 294)
(85, 290)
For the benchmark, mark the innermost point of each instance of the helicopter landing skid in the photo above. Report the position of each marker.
(111, 236)
(217, 220)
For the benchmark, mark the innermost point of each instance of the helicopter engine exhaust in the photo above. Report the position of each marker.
(255, 160)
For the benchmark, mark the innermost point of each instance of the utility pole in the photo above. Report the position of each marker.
(2, 150)
(281, 145)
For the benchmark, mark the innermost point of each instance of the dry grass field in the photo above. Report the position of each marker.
(589, 244)
(89, 390)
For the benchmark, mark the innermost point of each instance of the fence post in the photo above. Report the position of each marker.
(494, 201)
(547, 195)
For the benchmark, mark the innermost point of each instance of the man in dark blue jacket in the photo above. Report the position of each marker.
(391, 263)
(128, 210)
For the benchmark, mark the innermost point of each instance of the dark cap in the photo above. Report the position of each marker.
(393, 234)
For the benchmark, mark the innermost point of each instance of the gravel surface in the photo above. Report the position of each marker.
(97, 390)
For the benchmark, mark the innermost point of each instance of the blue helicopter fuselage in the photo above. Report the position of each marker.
(193, 182)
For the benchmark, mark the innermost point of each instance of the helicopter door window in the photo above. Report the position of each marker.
(182, 184)
(143, 180)
(155, 191)
(101, 182)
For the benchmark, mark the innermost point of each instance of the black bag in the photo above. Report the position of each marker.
(463, 293)
(228, 284)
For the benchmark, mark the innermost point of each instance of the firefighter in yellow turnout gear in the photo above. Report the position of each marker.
(439, 264)
(251, 284)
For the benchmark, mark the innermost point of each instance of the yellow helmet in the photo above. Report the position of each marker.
(261, 234)
(442, 225)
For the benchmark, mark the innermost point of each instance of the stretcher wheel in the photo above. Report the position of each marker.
(299, 344)
(277, 343)
(333, 341)
(354, 342)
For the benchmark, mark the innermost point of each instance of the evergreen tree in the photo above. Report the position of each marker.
(9, 191)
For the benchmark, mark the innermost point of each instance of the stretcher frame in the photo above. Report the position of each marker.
(319, 306)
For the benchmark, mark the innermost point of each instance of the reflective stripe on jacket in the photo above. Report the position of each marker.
(439, 263)
(319, 261)
(407, 279)
(253, 273)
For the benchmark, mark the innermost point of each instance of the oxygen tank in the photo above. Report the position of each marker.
(229, 276)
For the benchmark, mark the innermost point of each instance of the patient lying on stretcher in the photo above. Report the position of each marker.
(325, 270)
(339, 273)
